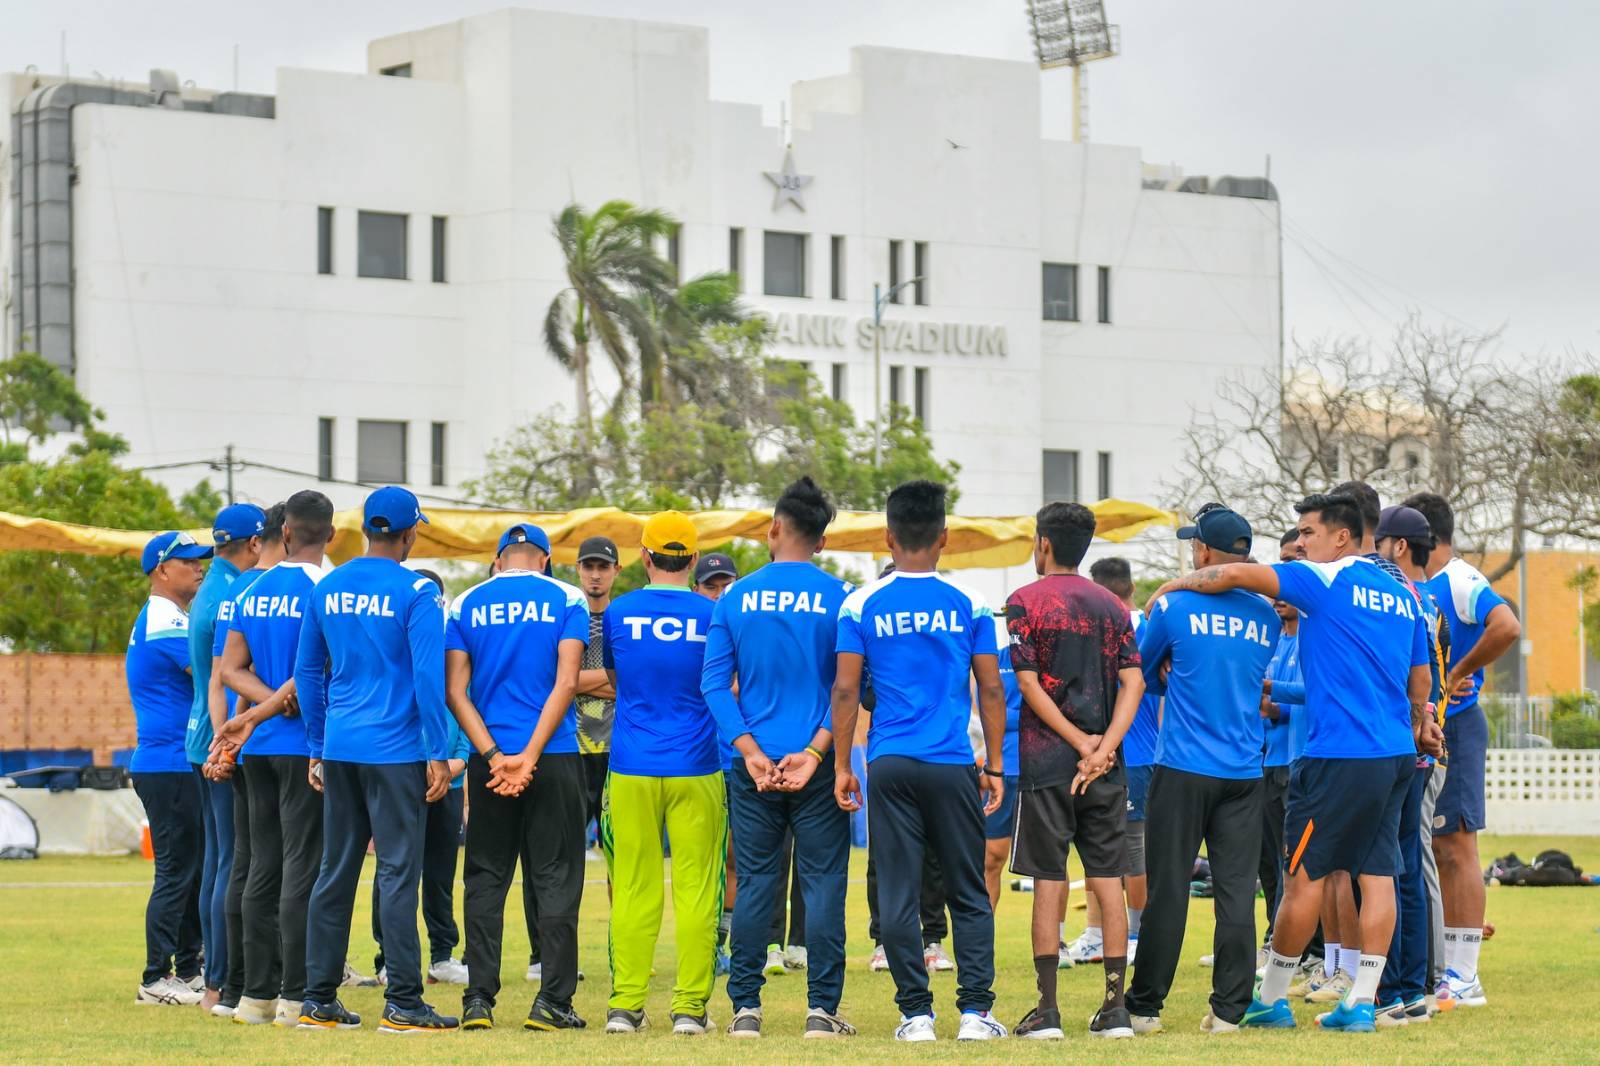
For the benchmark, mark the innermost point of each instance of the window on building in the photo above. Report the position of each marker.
(894, 271)
(1061, 292)
(1104, 290)
(838, 382)
(897, 376)
(438, 248)
(1060, 477)
(380, 245)
(324, 240)
(381, 452)
(783, 263)
(836, 268)
(736, 251)
(399, 70)
(675, 251)
(436, 455)
(919, 270)
(919, 395)
(1103, 481)
(325, 449)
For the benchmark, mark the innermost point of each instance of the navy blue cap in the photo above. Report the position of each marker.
(1220, 528)
(712, 564)
(164, 546)
(1405, 523)
(238, 521)
(391, 509)
(524, 533)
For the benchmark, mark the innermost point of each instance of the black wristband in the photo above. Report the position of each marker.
(491, 753)
(992, 772)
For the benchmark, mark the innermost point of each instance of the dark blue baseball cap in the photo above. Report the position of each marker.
(238, 521)
(391, 509)
(524, 533)
(1220, 528)
(171, 545)
(1405, 523)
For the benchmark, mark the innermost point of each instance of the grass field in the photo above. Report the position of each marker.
(71, 933)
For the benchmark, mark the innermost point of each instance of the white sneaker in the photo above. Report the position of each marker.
(774, 966)
(916, 1030)
(879, 961)
(287, 1015)
(1144, 1024)
(794, 958)
(1216, 1026)
(354, 979)
(255, 1011)
(980, 1025)
(197, 982)
(168, 992)
(936, 960)
(1063, 957)
(1084, 950)
(448, 971)
(221, 1010)
(536, 971)
(1208, 961)
(1466, 991)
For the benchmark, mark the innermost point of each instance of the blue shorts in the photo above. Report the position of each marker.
(1001, 824)
(1466, 743)
(1344, 814)
(1138, 789)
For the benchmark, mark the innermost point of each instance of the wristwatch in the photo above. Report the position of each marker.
(992, 772)
(492, 752)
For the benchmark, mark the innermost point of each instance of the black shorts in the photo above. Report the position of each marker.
(595, 766)
(1050, 819)
(1344, 814)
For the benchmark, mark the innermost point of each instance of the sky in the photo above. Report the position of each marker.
(1429, 155)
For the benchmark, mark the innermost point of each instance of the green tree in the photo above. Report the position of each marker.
(36, 399)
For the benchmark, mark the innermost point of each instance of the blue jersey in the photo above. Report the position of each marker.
(159, 687)
(1466, 599)
(225, 612)
(267, 614)
(511, 627)
(1008, 679)
(918, 633)
(215, 590)
(1286, 736)
(369, 672)
(1139, 745)
(655, 642)
(1360, 635)
(775, 630)
(1219, 647)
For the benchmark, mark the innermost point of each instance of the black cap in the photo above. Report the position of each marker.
(603, 548)
(1405, 523)
(1220, 528)
(712, 564)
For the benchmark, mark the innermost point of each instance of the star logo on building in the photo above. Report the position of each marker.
(788, 183)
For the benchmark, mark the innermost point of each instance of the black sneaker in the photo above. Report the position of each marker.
(314, 1015)
(692, 1024)
(1112, 1022)
(424, 1019)
(622, 1020)
(477, 1014)
(1039, 1025)
(548, 1017)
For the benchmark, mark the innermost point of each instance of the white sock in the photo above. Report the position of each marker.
(1063, 932)
(1369, 971)
(1330, 959)
(1467, 953)
(1280, 974)
(1349, 960)
(1452, 947)
(1093, 935)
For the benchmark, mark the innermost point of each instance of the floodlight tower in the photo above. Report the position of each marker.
(1070, 33)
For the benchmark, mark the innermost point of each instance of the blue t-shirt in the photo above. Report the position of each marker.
(1467, 599)
(159, 686)
(511, 627)
(918, 633)
(1360, 635)
(267, 614)
(655, 642)
(215, 590)
(1286, 736)
(224, 625)
(775, 630)
(1008, 678)
(1139, 745)
(369, 672)
(1219, 647)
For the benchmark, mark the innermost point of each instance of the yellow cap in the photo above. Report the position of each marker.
(670, 533)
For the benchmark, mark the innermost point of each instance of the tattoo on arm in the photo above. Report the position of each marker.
(1206, 579)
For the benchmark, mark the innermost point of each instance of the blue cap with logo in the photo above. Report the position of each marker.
(238, 521)
(171, 545)
(1220, 528)
(391, 509)
(524, 533)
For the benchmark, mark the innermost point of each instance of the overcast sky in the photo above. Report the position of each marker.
(1438, 155)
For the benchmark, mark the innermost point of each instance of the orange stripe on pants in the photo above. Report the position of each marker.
(1300, 848)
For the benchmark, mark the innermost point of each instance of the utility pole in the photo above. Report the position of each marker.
(879, 298)
(229, 460)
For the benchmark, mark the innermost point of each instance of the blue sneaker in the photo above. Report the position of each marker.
(1356, 1019)
(1261, 1016)
(723, 965)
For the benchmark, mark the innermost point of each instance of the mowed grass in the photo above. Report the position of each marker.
(71, 936)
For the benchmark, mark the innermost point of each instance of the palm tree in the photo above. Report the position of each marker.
(610, 262)
(701, 302)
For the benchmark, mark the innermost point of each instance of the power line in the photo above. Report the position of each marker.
(221, 462)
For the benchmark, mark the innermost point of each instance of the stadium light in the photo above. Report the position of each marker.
(1070, 33)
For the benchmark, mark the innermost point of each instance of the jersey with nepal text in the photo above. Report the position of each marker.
(1219, 647)
(159, 687)
(219, 638)
(267, 614)
(655, 643)
(369, 671)
(1466, 599)
(1361, 632)
(1285, 736)
(215, 590)
(917, 633)
(1139, 746)
(511, 628)
(1077, 637)
(775, 630)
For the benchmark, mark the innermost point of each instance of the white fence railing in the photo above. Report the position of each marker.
(1540, 791)
(1522, 721)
